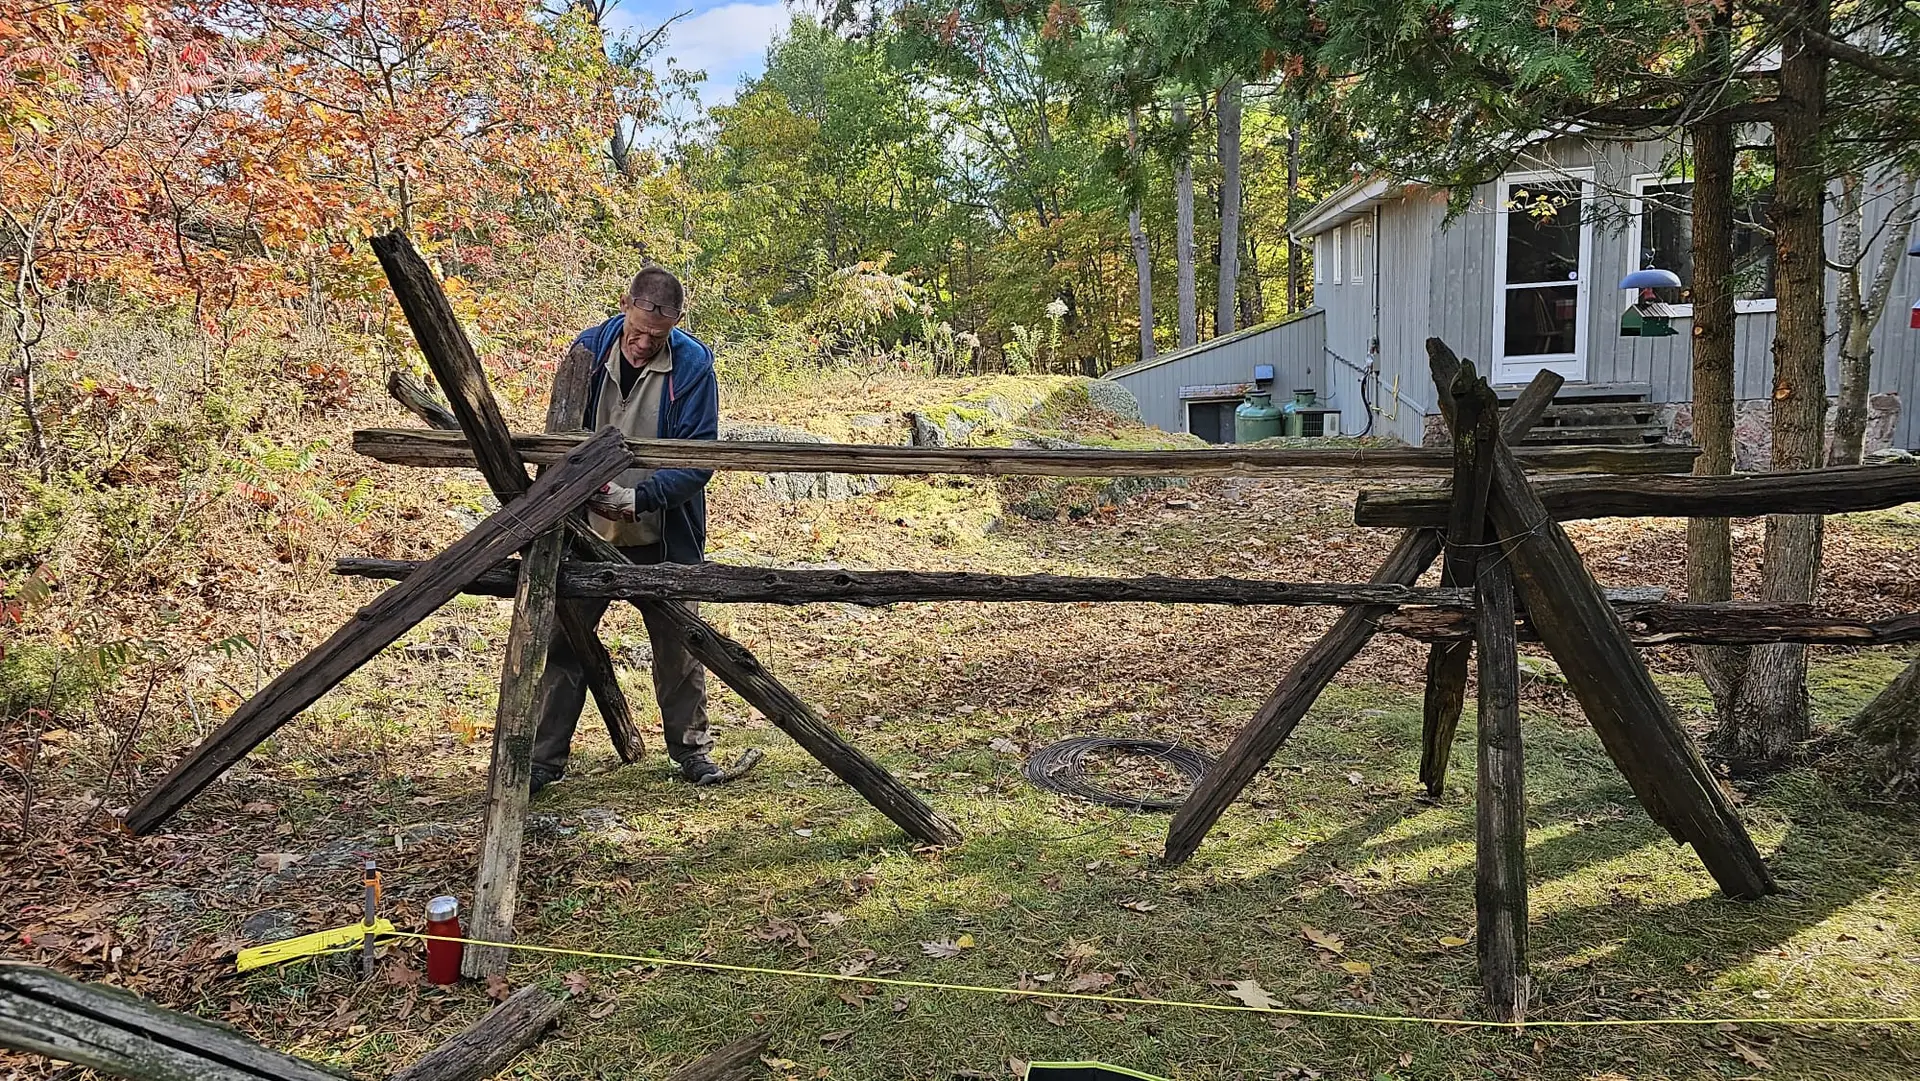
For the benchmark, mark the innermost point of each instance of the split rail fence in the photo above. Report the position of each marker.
(1509, 572)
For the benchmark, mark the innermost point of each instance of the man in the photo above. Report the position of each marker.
(651, 380)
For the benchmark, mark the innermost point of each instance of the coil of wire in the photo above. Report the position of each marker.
(1059, 767)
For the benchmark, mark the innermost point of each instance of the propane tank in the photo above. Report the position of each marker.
(1256, 418)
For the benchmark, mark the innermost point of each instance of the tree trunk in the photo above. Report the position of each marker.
(1861, 309)
(1293, 197)
(1889, 733)
(1183, 230)
(1710, 540)
(1770, 715)
(1225, 309)
(1253, 301)
(1142, 254)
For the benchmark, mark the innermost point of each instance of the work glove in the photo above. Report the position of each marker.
(612, 502)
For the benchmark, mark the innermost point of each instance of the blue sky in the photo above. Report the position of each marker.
(725, 38)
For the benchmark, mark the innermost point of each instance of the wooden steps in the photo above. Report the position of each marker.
(1601, 414)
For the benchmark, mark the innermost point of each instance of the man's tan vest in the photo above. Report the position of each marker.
(639, 417)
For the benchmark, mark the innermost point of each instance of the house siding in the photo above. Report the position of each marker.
(1296, 349)
(1440, 281)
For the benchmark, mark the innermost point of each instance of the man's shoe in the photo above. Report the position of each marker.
(541, 779)
(699, 769)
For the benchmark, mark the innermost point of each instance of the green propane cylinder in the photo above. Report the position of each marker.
(1256, 418)
(1302, 399)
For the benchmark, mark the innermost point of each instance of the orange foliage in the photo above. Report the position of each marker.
(213, 153)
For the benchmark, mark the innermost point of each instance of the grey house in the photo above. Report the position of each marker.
(1526, 278)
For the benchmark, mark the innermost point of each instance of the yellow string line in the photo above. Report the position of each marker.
(1122, 1000)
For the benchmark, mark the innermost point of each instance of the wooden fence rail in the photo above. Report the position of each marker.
(412, 446)
(1809, 491)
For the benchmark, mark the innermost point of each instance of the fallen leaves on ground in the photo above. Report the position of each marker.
(1326, 940)
(947, 947)
(1250, 993)
(1089, 981)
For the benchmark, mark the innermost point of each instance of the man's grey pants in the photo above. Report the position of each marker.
(679, 685)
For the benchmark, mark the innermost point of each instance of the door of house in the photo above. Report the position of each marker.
(1542, 256)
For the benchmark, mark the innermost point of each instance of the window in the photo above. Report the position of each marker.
(1542, 247)
(1662, 236)
(1336, 237)
(1358, 231)
(1320, 259)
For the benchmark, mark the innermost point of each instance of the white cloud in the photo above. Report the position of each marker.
(727, 40)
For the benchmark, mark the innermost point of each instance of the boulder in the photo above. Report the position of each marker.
(794, 487)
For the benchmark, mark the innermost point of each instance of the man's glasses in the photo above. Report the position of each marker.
(648, 307)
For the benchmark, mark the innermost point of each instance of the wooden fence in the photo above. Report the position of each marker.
(1536, 587)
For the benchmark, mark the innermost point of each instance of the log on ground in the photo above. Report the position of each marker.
(107, 1029)
(485, 1047)
(725, 1062)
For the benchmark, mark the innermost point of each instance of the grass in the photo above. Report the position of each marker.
(788, 869)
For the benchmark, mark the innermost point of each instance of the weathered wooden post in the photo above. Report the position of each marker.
(376, 626)
(496, 888)
(1617, 693)
(1500, 799)
(454, 363)
(1277, 717)
(1474, 427)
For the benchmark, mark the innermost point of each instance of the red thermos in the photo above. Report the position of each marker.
(443, 958)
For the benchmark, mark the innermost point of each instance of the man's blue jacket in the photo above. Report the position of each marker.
(691, 410)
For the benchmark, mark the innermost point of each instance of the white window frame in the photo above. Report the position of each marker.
(1358, 231)
(1637, 206)
(1576, 362)
(1320, 259)
(1336, 248)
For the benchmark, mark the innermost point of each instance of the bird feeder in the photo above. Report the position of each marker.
(1648, 317)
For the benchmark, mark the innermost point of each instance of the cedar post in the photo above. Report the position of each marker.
(1277, 717)
(377, 625)
(496, 889)
(1475, 428)
(1500, 804)
(447, 350)
(565, 410)
(1627, 711)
